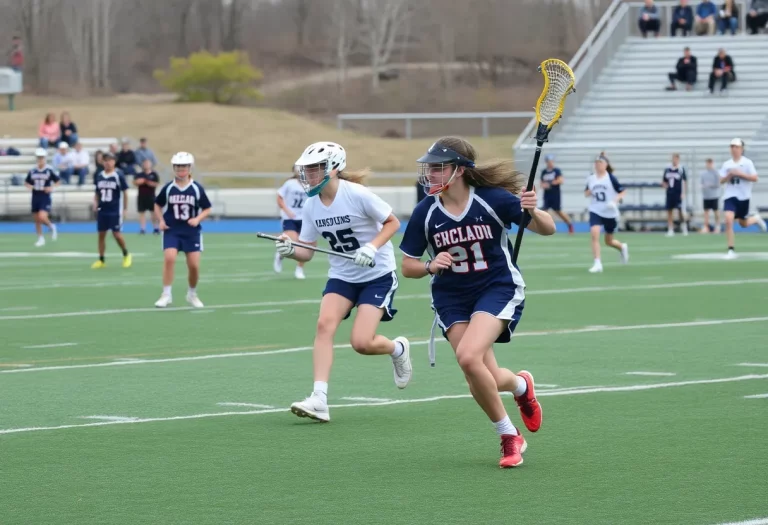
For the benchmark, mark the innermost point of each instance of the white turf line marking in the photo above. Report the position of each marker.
(116, 419)
(18, 308)
(763, 365)
(371, 399)
(52, 345)
(564, 392)
(757, 521)
(250, 405)
(258, 312)
(650, 373)
(206, 311)
(556, 291)
(757, 396)
(567, 331)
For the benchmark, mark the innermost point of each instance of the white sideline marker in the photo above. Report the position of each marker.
(753, 364)
(757, 396)
(661, 374)
(18, 308)
(116, 419)
(249, 405)
(52, 345)
(258, 312)
(370, 399)
(757, 521)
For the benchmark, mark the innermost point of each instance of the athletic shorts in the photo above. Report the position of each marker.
(145, 202)
(609, 224)
(739, 208)
(109, 221)
(711, 204)
(674, 201)
(292, 225)
(41, 203)
(186, 242)
(498, 301)
(551, 202)
(379, 292)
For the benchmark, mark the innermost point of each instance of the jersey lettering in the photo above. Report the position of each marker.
(332, 221)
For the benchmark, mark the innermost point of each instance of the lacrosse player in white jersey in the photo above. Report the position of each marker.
(354, 221)
(606, 192)
(290, 199)
(738, 174)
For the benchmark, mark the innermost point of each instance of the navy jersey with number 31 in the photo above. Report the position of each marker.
(181, 204)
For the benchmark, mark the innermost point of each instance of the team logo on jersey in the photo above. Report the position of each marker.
(181, 199)
(332, 221)
(458, 235)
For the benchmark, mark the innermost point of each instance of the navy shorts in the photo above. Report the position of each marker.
(186, 242)
(109, 221)
(597, 220)
(292, 225)
(42, 203)
(711, 204)
(739, 208)
(674, 201)
(551, 202)
(379, 292)
(498, 301)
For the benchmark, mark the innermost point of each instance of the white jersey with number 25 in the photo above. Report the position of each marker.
(353, 219)
(738, 187)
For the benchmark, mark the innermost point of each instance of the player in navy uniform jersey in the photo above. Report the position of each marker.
(180, 207)
(674, 181)
(478, 294)
(551, 180)
(41, 180)
(110, 202)
(606, 191)
(290, 199)
(147, 181)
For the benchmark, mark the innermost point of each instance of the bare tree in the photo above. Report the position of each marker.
(301, 16)
(383, 23)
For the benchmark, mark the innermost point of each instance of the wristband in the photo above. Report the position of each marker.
(426, 266)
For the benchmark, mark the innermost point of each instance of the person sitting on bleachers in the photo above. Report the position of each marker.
(64, 162)
(686, 71)
(722, 69)
(682, 18)
(49, 131)
(98, 163)
(126, 159)
(82, 161)
(649, 19)
(757, 16)
(705, 22)
(728, 17)
(67, 130)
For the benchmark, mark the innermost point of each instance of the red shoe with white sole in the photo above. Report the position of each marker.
(512, 448)
(530, 409)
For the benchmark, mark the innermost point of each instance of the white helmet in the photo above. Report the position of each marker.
(329, 152)
(182, 158)
(41, 152)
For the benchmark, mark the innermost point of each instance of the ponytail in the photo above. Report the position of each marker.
(495, 174)
(356, 176)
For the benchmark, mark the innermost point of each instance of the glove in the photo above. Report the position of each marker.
(284, 247)
(365, 255)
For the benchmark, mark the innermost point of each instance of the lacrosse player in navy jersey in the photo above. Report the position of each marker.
(674, 181)
(41, 180)
(180, 207)
(290, 199)
(110, 202)
(551, 180)
(478, 294)
(353, 220)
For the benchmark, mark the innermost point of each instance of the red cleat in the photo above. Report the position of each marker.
(570, 229)
(512, 448)
(530, 409)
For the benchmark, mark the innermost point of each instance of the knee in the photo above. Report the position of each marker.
(361, 344)
(169, 259)
(608, 240)
(326, 327)
(469, 359)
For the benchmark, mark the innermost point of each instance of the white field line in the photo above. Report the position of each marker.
(369, 399)
(757, 365)
(757, 521)
(52, 345)
(258, 312)
(574, 391)
(205, 311)
(568, 331)
(650, 373)
(757, 396)
(556, 291)
(116, 419)
(16, 365)
(18, 308)
(249, 405)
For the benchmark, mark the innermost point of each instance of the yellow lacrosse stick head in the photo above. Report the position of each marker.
(559, 82)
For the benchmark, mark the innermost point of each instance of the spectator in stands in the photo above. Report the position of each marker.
(649, 19)
(98, 163)
(16, 55)
(126, 159)
(728, 17)
(757, 16)
(67, 130)
(143, 153)
(64, 162)
(81, 162)
(682, 18)
(705, 20)
(686, 71)
(49, 131)
(722, 69)
(710, 192)
(113, 149)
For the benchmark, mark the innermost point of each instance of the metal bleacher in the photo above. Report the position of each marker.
(620, 107)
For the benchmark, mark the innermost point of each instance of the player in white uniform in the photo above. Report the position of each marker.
(606, 192)
(738, 174)
(290, 199)
(356, 221)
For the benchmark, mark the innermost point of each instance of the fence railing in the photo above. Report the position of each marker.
(408, 118)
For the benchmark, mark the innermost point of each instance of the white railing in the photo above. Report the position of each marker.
(410, 117)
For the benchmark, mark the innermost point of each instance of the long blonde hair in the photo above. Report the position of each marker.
(495, 173)
(356, 176)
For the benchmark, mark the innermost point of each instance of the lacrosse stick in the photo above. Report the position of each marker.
(558, 84)
(350, 256)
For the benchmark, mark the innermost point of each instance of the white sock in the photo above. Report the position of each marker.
(39, 237)
(597, 261)
(167, 290)
(521, 387)
(399, 350)
(505, 426)
(192, 290)
(321, 390)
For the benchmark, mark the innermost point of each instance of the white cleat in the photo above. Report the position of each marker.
(277, 265)
(312, 407)
(54, 232)
(731, 255)
(40, 242)
(596, 268)
(761, 224)
(299, 273)
(684, 227)
(164, 301)
(670, 233)
(194, 300)
(402, 365)
(624, 257)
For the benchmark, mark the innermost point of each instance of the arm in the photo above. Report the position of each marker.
(151, 183)
(194, 221)
(281, 204)
(390, 227)
(159, 217)
(541, 222)
(736, 173)
(138, 181)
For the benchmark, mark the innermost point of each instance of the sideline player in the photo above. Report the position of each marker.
(147, 181)
(353, 220)
(110, 202)
(41, 180)
(180, 207)
(738, 174)
(290, 199)
(478, 294)
(551, 180)
(674, 181)
(606, 192)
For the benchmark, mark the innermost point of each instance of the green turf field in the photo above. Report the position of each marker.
(114, 412)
